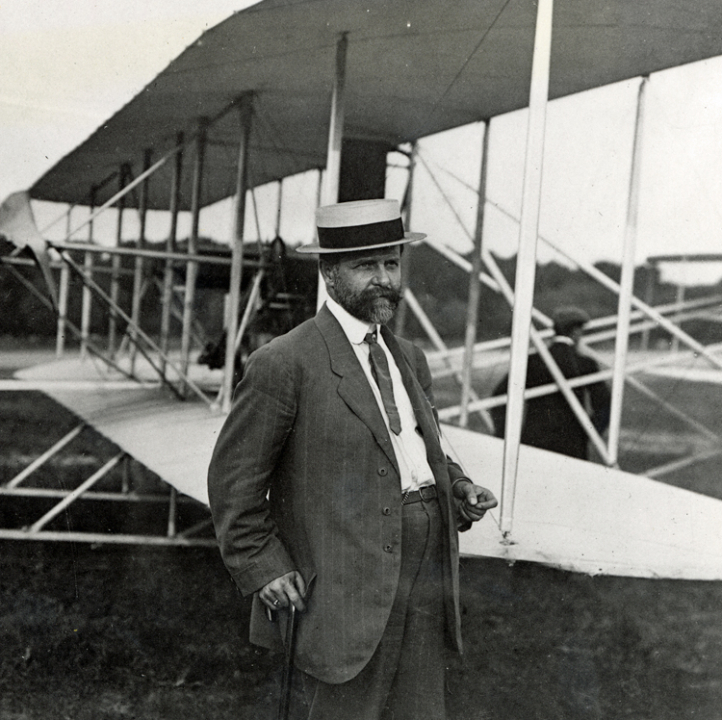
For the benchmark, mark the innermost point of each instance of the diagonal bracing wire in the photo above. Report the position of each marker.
(604, 280)
(141, 335)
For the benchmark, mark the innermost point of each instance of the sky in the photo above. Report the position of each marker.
(69, 66)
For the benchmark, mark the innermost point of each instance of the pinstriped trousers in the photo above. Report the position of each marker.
(405, 678)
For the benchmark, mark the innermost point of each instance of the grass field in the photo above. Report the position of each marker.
(106, 633)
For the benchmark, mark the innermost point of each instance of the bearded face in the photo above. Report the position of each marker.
(371, 304)
(367, 285)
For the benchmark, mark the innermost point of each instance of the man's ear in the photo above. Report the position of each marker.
(326, 270)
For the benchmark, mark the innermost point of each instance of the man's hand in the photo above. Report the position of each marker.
(284, 591)
(476, 500)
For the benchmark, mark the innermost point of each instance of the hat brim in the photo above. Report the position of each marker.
(315, 248)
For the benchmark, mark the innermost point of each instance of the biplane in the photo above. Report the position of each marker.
(332, 87)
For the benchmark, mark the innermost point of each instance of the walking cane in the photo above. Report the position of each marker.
(290, 644)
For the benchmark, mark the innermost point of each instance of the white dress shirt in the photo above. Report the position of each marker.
(408, 445)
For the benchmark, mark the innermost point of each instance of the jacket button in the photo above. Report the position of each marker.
(383, 471)
(386, 511)
(388, 548)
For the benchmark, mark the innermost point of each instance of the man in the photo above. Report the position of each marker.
(549, 421)
(330, 490)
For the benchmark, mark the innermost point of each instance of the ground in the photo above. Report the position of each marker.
(119, 633)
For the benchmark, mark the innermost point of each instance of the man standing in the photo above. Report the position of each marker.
(549, 421)
(330, 491)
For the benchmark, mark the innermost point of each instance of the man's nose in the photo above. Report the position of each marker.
(382, 277)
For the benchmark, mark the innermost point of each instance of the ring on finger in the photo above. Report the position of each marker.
(275, 602)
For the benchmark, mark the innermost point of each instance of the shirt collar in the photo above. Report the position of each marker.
(355, 329)
(564, 339)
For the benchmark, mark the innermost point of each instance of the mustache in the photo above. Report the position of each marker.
(391, 294)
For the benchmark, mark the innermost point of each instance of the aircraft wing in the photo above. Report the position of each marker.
(172, 439)
(570, 514)
(589, 518)
(414, 68)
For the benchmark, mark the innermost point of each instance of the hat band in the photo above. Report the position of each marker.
(360, 236)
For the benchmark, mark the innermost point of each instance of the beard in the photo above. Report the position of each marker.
(372, 305)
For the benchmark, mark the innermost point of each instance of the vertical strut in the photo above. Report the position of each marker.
(626, 283)
(472, 311)
(239, 214)
(330, 185)
(192, 265)
(167, 299)
(526, 257)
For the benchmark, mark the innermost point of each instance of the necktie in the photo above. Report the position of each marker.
(380, 371)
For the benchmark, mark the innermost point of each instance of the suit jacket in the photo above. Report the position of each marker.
(549, 422)
(304, 477)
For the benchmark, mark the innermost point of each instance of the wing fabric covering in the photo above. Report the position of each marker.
(413, 69)
(589, 518)
(570, 514)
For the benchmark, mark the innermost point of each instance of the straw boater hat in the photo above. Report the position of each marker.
(359, 225)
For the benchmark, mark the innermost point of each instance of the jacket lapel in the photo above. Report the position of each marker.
(353, 387)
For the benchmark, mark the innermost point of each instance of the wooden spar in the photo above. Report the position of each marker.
(47, 455)
(236, 275)
(249, 310)
(86, 310)
(148, 343)
(115, 265)
(278, 208)
(402, 312)
(62, 310)
(226, 391)
(447, 414)
(103, 538)
(557, 375)
(331, 178)
(486, 279)
(71, 326)
(138, 270)
(472, 309)
(424, 321)
(415, 306)
(124, 496)
(319, 188)
(329, 193)
(172, 513)
(626, 284)
(649, 299)
(677, 465)
(526, 258)
(151, 254)
(170, 246)
(63, 298)
(674, 347)
(125, 189)
(75, 494)
(192, 265)
(668, 406)
(652, 313)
